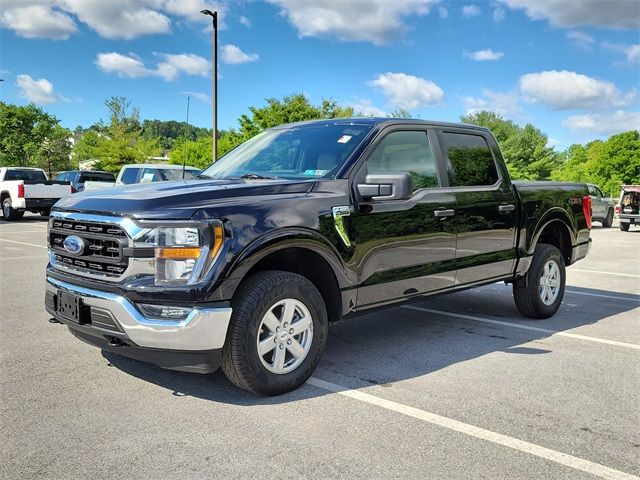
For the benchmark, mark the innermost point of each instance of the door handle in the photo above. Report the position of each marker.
(506, 208)
(442, 213)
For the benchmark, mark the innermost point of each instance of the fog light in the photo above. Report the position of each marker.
(164, 312)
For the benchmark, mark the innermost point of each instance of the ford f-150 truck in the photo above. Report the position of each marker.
(28, 189)
(247, 265)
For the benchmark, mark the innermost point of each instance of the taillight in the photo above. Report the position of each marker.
(586, 209)
(617, 209)
(21, 190)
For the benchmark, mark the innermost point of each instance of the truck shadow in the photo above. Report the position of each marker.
(399, 343)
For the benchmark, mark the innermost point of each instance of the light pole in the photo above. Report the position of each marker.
(214, 41)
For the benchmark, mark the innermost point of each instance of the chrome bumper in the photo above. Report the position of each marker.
(203, 329)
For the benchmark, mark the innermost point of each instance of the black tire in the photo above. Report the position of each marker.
(624, 226)
(241, 362)
(608, 221)
(8, 212)
(45, 212)
(526, 290)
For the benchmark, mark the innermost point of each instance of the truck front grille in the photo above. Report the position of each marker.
(103, 246)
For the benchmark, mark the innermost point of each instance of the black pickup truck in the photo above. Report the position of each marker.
(246, 266)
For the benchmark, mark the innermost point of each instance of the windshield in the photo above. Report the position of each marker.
(32, 175)
(295, 152)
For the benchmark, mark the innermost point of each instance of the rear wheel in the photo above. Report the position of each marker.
(45, 212)
(624, 226)
(277, 333)
(608, 220)
(539, 293)
(8, 212)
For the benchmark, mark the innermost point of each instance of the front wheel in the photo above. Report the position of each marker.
(539, 293)
(624, 226)
(277, 334)
(608, 221)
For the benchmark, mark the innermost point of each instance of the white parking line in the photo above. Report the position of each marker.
(604, 273)
(613, 297)
(21, 243)
(477, 432)
(526, 327)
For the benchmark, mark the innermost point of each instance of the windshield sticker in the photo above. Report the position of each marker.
(344, 138)
(315, 173)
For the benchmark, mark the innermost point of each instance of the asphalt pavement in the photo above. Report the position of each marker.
(453, 387)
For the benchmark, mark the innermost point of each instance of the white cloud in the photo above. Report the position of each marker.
(365, 107)
(38, 21)
(506, 104)
(114, 19)
(631, 52)
(483, 55)
(622, 14)
(120, 19)
(190, 9)
(552, 142)
(169, 69)
(377, 21)
(174, 64)
(470, 10)
(122, 65)
(564, 90)
(498, 14)
(580, 39)
(407, 91)
(244, 21)
(605, 124)
(203, 97)
(37, 91)
(443, 12)
(233, 55)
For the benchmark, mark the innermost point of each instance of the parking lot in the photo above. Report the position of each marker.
(457, 386)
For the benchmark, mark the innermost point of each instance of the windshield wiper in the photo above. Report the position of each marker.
(255, 176)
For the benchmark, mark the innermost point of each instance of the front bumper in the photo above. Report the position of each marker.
(113, 322)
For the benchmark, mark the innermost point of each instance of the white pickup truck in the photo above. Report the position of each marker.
(23, 189)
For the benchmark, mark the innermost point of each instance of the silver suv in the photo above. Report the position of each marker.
(602, 207)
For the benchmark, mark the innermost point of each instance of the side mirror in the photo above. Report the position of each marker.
(386, 186)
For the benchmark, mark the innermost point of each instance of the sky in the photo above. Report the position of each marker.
(569, 67)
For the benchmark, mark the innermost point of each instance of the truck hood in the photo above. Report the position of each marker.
(180, 199)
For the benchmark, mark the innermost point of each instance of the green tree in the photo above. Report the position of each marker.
(609, 163)
(196, 153)
(30, 137)
(524, 149)
(170, 131)
(120, 142)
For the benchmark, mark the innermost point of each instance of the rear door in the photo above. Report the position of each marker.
(403, 247)
(598, 204)
(486, 206)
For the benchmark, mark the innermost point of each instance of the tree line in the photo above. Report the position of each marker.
(31, 137)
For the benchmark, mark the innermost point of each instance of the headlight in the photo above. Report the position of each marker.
(184, 253)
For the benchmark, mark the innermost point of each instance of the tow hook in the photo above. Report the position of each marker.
(116, 342)
(53, 320)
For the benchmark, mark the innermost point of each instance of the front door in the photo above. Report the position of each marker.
(404, 247)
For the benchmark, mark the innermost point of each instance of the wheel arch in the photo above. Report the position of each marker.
(302, 252)
(555, 229)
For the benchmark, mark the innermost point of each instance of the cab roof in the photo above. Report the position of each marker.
(378, 122)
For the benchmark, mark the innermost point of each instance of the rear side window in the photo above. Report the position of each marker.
(406, 151)
(470, 160)
(130, 175)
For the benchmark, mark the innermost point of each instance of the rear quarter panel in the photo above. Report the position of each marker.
(544, 202)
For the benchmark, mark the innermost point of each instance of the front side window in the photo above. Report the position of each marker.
(129, 176)
(294, 152)
(406, 151)
(470, 160)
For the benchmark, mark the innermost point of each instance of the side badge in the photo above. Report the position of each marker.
(338, 219)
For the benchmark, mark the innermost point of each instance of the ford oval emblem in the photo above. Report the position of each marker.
(74, 245)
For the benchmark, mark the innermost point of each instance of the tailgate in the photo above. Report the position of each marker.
(41, 190)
